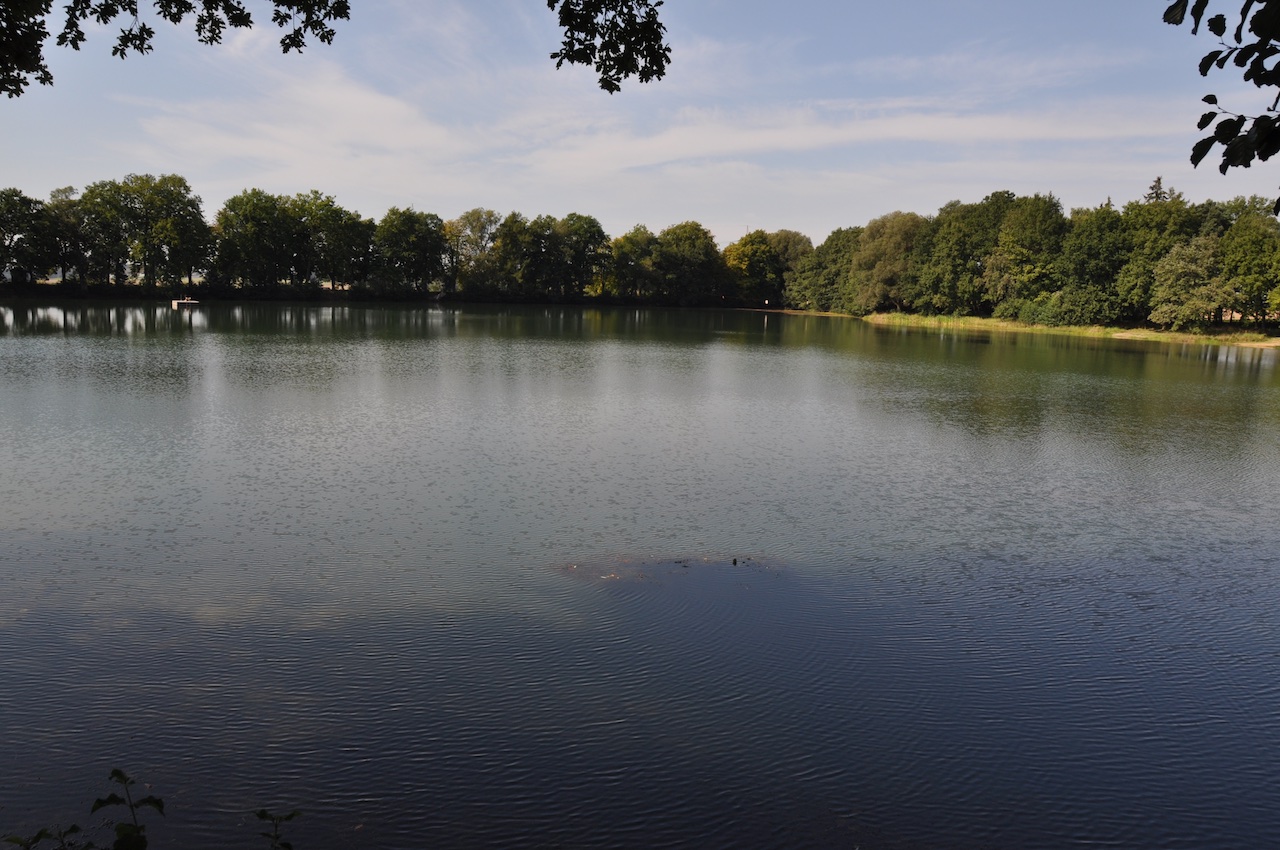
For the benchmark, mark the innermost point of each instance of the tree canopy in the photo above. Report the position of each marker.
(618, 38)
(1253, 47)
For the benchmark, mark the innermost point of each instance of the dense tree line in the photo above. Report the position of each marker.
(1160, 260)
(150, 233)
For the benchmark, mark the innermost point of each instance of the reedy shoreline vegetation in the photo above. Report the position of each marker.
(1159, 262)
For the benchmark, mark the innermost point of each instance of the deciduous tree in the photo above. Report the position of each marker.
(1249, 41)
(618, 38)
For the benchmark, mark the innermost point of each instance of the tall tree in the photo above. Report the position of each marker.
(818, 278)
(587, 255)
(410, 249)
(884, 274)
(1189, 292)
(24, 252)
(757, 269)
(1250, 263)
(165, 228)
(1022, 264)
(66, 228)
(631, 273)
(1162, 219)
(257, 240)
(689, 267)
(1094, 251)
(107, 219)
(469, 239)
(964, 235)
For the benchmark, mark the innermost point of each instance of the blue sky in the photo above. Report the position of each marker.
(804, 114)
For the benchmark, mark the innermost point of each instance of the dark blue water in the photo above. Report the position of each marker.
(465, 578)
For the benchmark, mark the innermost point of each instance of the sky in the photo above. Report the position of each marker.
(808, 115)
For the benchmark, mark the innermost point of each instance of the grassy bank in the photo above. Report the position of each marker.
(1219, 336)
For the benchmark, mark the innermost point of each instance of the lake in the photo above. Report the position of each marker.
(562, 577)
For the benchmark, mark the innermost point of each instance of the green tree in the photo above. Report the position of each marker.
(508, 272)
(819, 278)
(1189, 292)
(469, 239)
(410, 249)
(1094, 251)
(329, 243)
(587, 255)
(1023, 264)
(791, 246)
(164, 226)
(67, 233)
(1250, 263)
(257, 237)
(689, 268)
(964, 235)
(631, 273)
(884, 271)
(757, 270)
(1154, 225)
(619, 38)
(24, 250)
(108, 213)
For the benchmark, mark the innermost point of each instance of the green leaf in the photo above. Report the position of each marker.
(1176, 12)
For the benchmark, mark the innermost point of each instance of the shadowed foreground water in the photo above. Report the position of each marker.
(465, 578)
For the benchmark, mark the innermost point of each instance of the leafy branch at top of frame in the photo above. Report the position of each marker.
(1252, 47)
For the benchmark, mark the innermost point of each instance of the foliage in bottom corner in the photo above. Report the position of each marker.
(129, 834)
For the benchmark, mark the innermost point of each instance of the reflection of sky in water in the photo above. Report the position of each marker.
(265, 469)
(286, 532)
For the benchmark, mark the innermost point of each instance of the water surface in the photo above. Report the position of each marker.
(466, 577)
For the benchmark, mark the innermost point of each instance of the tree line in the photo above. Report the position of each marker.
(1160, 260)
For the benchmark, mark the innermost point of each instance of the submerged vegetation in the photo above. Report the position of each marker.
(1159, 262)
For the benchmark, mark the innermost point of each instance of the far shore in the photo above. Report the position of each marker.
(1220, 336)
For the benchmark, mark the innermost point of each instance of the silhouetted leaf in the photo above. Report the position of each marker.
(1206, 120)
(152, 802)
(1176, 12)
(1201, 149)
(1211, 99)
(1207, 62)
(109, 800)
(1217, 25)
(1265, 134)
(1228, 129)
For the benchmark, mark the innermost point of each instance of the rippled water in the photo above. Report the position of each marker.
(466, 578)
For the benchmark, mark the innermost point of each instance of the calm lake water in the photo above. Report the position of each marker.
(613, 578)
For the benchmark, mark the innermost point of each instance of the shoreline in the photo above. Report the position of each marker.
(1242, 339)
